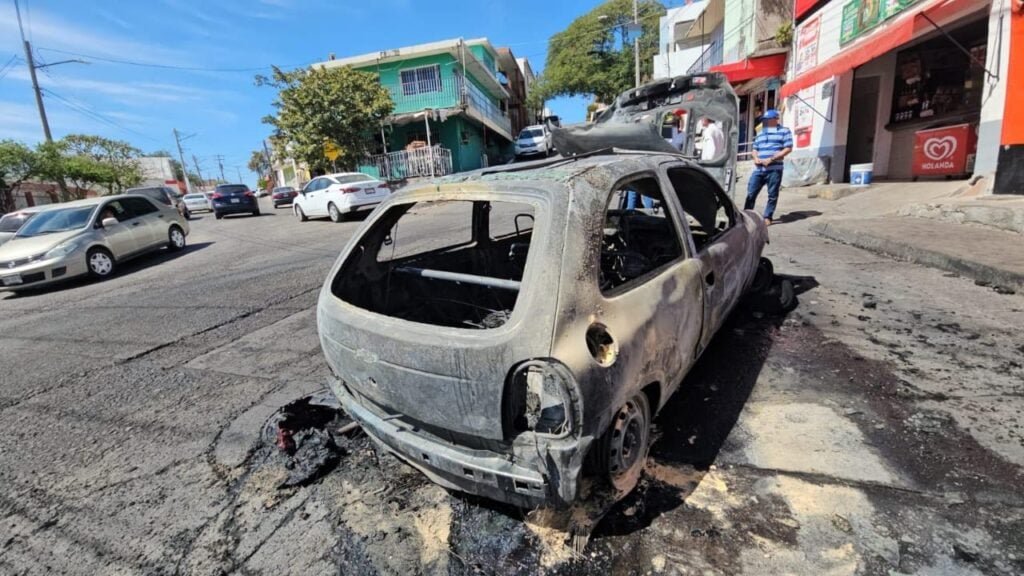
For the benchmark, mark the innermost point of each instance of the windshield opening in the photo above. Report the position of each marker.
(456, 263)
(57, 220)
(531, 133)
(232, 188)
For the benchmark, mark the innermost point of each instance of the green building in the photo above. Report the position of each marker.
(450, 94)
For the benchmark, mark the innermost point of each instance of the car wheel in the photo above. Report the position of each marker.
(763, 276)
(101, 262)
(300, 214)
(187, 215)
(256, 213)
(622, 451)
(218, 215)
(175, 239)
(333, 212)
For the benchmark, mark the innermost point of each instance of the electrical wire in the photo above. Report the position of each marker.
(165, 66)
(90, 113)
(9, 65)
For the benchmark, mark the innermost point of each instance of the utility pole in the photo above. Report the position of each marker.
(198, 171)
(32, 73)
(636, 42)
(220, 162)
(184, 167)
(239, 172)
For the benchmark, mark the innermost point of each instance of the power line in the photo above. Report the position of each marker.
(93, 114)
(6, 68)
(164, 66)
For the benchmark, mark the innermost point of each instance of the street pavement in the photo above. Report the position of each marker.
(876, 429)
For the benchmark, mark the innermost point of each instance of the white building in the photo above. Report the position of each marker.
(689, 39)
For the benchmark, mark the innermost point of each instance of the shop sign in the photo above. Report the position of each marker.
(942, 151)
(803, 117)
(860, 16)
(807, 45)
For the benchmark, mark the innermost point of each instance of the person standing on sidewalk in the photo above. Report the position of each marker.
(771, 145)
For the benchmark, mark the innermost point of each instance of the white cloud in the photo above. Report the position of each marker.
(51, 32)
(125, 92)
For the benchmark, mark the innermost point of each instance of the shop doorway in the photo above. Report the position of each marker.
(860, 141)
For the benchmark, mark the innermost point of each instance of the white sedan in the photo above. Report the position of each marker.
(334, 195)
(197, 202)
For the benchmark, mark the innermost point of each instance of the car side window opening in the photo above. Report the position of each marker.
(139, 206)
(455, 263)
(638, 236)
(117, 210)
(707, 210)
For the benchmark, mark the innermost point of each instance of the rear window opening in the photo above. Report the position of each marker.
(455, 263)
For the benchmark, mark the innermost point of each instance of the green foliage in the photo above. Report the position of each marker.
(100, 160)
(337, 104)
(258, 162)
(18, 163)
(784, 35)
(588, 58)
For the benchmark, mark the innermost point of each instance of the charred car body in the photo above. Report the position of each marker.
(510, 331)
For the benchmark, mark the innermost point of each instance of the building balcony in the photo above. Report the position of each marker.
(438, 94)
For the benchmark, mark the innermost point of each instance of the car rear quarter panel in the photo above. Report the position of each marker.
(448, 377)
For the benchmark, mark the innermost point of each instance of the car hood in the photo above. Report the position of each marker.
(5, 236)
(21, 247)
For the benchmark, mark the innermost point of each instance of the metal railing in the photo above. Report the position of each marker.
(421, 162)
(416, 96)
(711, 56)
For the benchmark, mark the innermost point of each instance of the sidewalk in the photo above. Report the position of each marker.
(942, 224)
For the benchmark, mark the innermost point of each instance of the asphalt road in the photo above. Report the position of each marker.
(877, 429)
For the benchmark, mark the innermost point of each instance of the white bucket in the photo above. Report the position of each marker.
(860, 174)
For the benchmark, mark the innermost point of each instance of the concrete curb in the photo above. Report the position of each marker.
(847, 233)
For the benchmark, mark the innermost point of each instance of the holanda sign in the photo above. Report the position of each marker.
(942, 151)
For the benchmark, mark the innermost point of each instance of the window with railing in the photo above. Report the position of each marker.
(421, 80)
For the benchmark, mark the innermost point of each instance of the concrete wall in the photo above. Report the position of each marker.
(994, 94)
(676, 63)
(739, 29)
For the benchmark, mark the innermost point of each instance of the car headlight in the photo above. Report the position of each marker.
(540, 397)
(62, 250)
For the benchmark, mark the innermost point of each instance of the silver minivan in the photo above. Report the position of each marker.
(88, 237)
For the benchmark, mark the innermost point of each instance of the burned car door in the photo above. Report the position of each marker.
(652, 292)
(720, 244)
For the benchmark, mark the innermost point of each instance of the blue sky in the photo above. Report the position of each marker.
(226, 42)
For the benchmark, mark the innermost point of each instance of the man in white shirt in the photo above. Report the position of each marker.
(712, 140)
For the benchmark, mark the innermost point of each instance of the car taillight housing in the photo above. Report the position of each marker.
(217, 196)
(250, 194)
(540, 397)
(350, 190)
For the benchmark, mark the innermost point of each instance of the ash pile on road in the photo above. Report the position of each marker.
(311, 435)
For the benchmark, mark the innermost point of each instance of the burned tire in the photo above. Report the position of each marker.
(100, 262)
(787, 296)
(763, 276)
(622, 450)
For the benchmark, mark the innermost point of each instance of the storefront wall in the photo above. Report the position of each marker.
(892, 150)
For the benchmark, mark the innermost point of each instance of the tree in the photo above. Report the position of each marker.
(314, 106)
(113, 160)
(585, 59)
(18, 163)
(258, 162)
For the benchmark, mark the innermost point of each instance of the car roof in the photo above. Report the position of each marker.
(337, 174)
(563, 169)
(97, 200)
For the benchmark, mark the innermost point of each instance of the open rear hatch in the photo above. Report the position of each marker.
(432, 308)
(664, 116)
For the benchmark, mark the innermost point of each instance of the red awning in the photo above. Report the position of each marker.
(759, 67)
(902, 30)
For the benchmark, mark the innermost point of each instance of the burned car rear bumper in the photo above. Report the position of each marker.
(535, 472)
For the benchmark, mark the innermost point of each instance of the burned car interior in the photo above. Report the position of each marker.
(455, 263)
(638, 235)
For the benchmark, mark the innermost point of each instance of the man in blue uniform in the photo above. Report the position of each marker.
(771, 145)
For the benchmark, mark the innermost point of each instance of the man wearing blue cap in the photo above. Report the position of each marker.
(771, 145)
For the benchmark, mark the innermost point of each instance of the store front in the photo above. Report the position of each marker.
(756, 81)
(899, 85)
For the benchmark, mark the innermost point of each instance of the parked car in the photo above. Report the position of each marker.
(88, 237)
(234, 199)
(262, 192)
(164, 195)
(283, 195)
(533, 141)
(512, 332)
(198, 202)
(11, 222)
(335, 195)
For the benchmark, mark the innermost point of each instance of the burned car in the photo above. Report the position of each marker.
(513, 331)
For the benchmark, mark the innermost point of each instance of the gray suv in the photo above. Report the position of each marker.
(164, 195)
